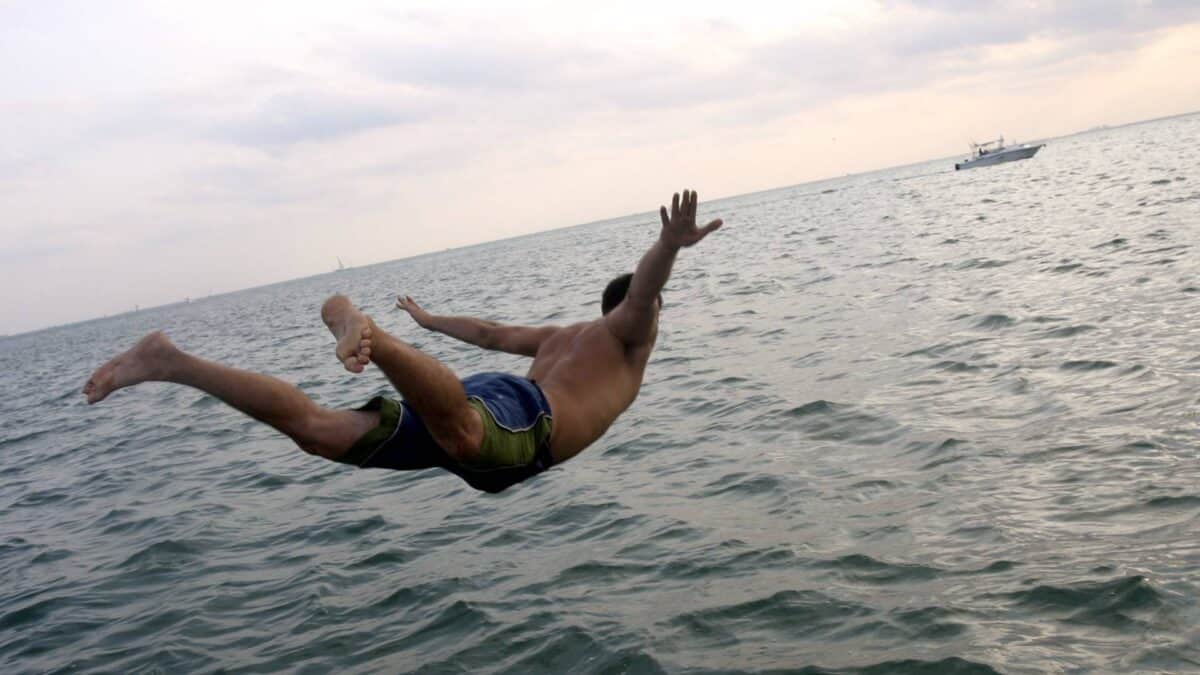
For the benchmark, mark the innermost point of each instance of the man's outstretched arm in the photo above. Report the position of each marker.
(632, 321)
(520, 340)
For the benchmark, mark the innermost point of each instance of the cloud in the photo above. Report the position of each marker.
(420, 130)
(511, 74)
(292, 117)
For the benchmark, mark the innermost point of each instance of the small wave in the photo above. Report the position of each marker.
(1067, 331)
(981, 264)
(574, 650)
(388, 558)
(926, 623)
(743, 484)
(1112, 604)
(1067, 267)
(14, 546)
(1057, 450)
(864, 568)
(1183, 501)
(995, 322)
(721, 564)
(42, 498)
(590, 574)
(826, 421)
(267, 481)
(165, 551)
(131, 525)
(818, 407)
(948, 666)
(332, 532)
(33, 613)
(943, 348)
(27, 436)
(791, 613)
(1117, 242)
(941, 461)
(872, 485)
(958, 367)
(204, 402)
(942, 446)
(575, 515)
(1087, 365)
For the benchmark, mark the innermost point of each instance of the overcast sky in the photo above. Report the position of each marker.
(153, 152)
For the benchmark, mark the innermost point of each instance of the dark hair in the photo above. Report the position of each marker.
(615, 292)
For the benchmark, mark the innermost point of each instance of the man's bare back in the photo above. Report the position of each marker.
(590, 377)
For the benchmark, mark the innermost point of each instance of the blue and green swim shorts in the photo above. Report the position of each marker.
(516, 435)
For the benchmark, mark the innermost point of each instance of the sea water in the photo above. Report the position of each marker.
(907, 421)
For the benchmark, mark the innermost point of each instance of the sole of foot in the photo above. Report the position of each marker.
(352, 330)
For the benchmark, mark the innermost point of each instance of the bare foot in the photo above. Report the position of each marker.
(148, 360)
(352, 329)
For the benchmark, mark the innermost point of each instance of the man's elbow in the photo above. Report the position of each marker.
(488, 338)
(641, 304)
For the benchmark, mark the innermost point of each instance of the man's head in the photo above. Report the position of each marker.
(615, 292)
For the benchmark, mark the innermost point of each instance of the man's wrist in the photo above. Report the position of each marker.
(668, 245)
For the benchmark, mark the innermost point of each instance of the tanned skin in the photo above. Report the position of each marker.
(590, 371)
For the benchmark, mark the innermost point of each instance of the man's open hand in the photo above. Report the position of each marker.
(679, 227)
(406, 303)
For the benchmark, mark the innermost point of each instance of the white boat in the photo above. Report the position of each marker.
(996, 152)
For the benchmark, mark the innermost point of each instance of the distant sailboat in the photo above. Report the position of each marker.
(340, 267)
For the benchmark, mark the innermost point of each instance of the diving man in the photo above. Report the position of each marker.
(492, 429)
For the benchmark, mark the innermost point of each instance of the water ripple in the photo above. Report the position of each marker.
(912, 421)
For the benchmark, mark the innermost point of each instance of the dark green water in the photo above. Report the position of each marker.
(905, 422)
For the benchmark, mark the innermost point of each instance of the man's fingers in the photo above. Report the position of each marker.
(711, 227)
(675, 206)
(695, 201)
(662, 211)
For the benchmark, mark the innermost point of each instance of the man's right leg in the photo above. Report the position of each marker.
(427, 385)
(317, 430)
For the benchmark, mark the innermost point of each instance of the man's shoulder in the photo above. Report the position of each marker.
(587, 331)
(576, 328)
(602, 333)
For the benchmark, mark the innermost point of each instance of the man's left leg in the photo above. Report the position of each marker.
(317, 430)
(431, 388)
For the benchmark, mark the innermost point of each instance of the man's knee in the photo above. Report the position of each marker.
(331, 433)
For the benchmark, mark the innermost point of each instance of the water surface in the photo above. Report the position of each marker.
(907, 421)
